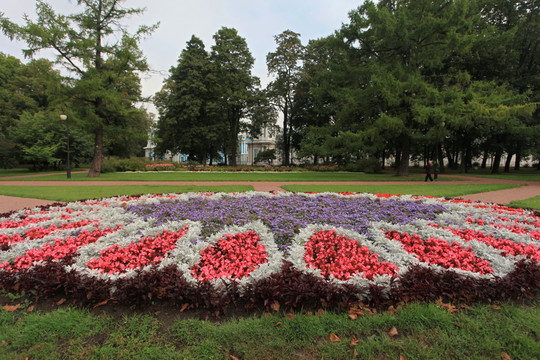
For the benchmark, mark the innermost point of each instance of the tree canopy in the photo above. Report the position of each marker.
(103, 86)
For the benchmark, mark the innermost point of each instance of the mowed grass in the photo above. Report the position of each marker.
(232, 176)
(28, 172)
(424, 331)
(532, 203)
(527, 174)
(428, 189)
(75, 193)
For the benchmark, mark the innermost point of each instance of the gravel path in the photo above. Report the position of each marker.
(530, 188)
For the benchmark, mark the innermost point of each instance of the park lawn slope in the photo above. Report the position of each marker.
(75, 193)
(233, 176)
(414, 331)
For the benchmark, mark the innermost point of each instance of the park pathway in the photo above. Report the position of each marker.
(528, 190)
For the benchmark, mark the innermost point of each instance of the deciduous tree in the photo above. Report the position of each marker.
(102, 57)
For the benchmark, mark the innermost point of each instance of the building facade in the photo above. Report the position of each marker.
(248, 149)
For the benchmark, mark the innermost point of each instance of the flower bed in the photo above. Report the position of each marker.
(262, 248)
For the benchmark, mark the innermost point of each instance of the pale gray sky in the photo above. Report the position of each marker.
(256, 20)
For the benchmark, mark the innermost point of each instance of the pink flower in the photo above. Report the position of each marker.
(233, 256)
(148, 251)
(343, 258)
(440, 252)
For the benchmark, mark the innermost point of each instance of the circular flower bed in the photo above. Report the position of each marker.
(262, 248)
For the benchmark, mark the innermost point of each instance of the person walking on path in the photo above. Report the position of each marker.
(429, 168)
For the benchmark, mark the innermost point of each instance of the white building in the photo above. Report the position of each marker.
(248, 149)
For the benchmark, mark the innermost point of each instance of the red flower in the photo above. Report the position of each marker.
(343, 258)
(440, 252)
(233, 256)
(147, 251)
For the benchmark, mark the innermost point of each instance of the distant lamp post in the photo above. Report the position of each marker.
(64, 117)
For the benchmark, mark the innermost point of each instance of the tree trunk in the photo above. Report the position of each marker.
(286, 149)
(518, 161)
(462, 168)
(403, 169)
(95, 168)
(507, 163)
(450, 159)
(234, 125)
(398, 159)
(484, 159)
(496, 162)
(440, 158)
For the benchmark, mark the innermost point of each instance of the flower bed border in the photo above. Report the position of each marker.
(283, 281)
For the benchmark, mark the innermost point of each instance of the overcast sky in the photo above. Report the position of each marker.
(256, 20)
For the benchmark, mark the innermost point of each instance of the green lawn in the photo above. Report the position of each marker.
(429, 189)
(424, 331)
(527, 174)
(74, 193)
(532, 203)
(234, 176)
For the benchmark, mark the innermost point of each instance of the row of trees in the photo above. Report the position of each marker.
(437, 79)
(432, 79)
(99, 89)
(209, 98)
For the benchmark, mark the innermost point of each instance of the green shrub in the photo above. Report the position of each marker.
(371, 165)
(114, 164)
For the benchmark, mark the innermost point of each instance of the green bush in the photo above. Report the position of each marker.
(370, 166)
(114, 164)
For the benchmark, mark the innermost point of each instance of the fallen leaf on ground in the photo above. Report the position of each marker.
(393, 332)
(61, 301)
(354, 313)
(290, 316)
(449, 307)
(402, 357)
(233, 357)
(101, 303)
(30, 308)
(275, 306)
(505, 356)
(334, 338)
(278, 323)
(320, 312)
(11, 307)
(495, 307)
(184, 307)
(354, 341)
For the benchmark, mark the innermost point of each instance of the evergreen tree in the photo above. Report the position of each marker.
(105, 81)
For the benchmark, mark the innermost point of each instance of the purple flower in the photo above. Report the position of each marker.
(286, 215)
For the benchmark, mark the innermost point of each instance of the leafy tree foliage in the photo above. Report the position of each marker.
(284, 62)
(232, 63)
(268, 156)
(206, 97)
(425, 79)
(189, 121)
(104, 83)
